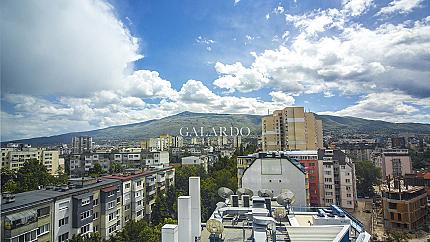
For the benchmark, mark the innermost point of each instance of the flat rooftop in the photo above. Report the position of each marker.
(36, 197)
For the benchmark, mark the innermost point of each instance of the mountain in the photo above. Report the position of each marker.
(333, 125)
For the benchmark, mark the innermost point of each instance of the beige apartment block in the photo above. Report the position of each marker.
(15, 158)
(291, 129)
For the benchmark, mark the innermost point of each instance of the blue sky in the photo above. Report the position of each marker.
(81, 65)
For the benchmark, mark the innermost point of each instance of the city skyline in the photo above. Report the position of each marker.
(82, 65)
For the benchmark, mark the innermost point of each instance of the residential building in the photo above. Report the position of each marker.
(405, 207)
(14, 158)
(82, 144)
(309, 159)
(337, 181)
(395, 162)
(195, 160)
(291, 129)
(85, 205)
(273, 171)
(421, 178)
(57, 213)
(139, 190)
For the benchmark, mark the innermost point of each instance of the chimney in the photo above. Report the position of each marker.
(245, 199)
(184, 218)
(196, 215)
(169, 233)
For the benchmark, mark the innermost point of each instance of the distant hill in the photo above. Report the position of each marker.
(333, 125)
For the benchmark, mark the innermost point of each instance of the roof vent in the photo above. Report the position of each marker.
(8, 197)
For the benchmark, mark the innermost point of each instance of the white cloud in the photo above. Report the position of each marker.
(395, 57)
(356, 7)
(278, 10)
(282, 98)
(71, 43)
(236, 2)
(146, 84)
(401, 6)
(388, 106)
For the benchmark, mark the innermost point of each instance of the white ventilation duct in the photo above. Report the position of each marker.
(169, 233)
(194, 190)
(184, 218)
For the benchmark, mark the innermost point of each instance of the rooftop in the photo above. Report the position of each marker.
(33, 198)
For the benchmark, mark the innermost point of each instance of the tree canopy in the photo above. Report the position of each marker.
(368, 175)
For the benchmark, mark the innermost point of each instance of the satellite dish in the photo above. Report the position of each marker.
(244, 191)
(265, 193)
(221, 205)
(225, 192)
(286, 198)
(214, 226)
(279, 213)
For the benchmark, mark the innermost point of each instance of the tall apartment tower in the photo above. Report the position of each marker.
(82, 144)
(291, 129)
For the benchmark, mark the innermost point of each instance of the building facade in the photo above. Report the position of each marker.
(291, 129)
(82, 144)
(395, 162)
(273, 171)
(86, 205)
(14, 158)
(309, 159)
(337, 181)
(405, 207)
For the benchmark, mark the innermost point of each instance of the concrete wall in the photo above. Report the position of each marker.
(276, 174)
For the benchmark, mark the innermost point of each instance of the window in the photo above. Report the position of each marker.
(348, 188)
(127, 185)
(139, 213)
(327, 179)
(85, 229)
(392, 205)
(111, 193)
(96, 215)
(112, 216)
(86, 214)
(137, 194)
(348, 195)
(343, 167)
(63, 237)
(328, 186)
(118, 199)
(348, 180)
(139, 203)
(42, 212)
(43, 230)
(96, 229)
(127, 207)
(63, 221)
(85, 201)
(63, 205)
(399, 216)
(139, 183)
(96, 202)
(112, 228)
(111, 204)
(327, 172)
(392, 216)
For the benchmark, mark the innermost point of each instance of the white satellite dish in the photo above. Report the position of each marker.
(265, 193)
(225, 192)
(214, 226)
(286, 198)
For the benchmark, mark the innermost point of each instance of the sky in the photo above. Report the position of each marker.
(80, 65)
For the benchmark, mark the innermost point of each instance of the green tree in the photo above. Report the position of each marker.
(7, 175)
(115, 168)
(10, 186)
(160, 210)
(61, 178)
(368, 175)
(32, 175)
(96, 170)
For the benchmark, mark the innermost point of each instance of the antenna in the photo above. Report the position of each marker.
(265, 193)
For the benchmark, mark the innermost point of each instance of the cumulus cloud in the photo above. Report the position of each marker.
(388, 106)
(395, 57)
(356, 7)
(401, 6)
(50, 45)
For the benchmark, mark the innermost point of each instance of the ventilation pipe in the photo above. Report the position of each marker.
(184, 218)
(196, 215)
(169, 233)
